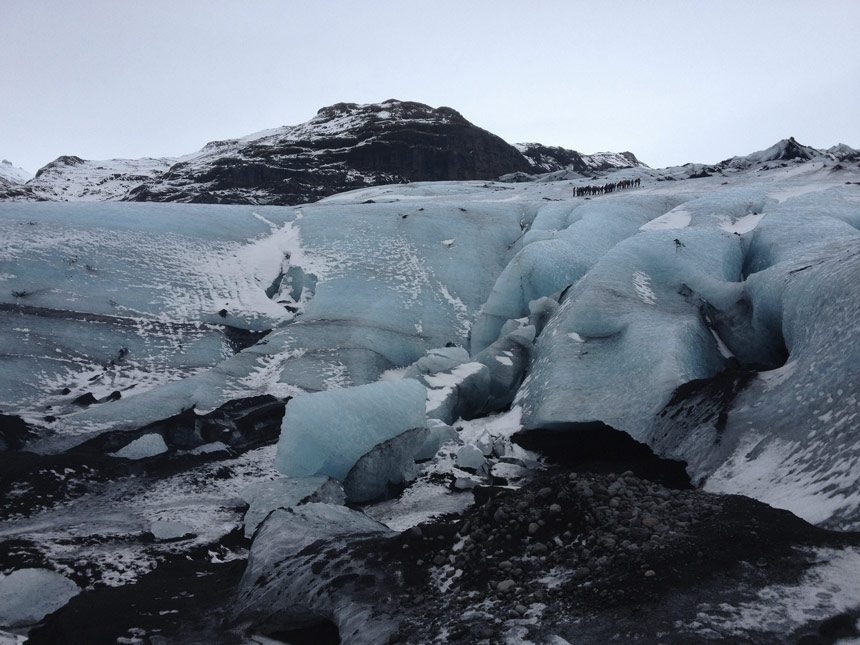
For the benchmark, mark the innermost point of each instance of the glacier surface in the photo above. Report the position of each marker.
(474, 298)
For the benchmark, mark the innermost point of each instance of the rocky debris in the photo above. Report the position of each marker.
(14, 432)
(579, 555)
(183, 600)
(240, 424)
(30, 482)
(621, 554)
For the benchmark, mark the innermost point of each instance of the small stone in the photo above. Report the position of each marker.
(521, 609)
(439, 560)
(650, 573)
(543, 493)
(533, 528)
(505, 565)
(582, 572)
(504, 585)
(555, 509)
(538, 547)
(650, 521)
(538, 595)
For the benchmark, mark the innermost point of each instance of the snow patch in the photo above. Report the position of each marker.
(642, 284)
(672, 219)
(827, 589)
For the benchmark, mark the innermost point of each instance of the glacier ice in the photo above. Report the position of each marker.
(438, 434)
(631, 331)
(149, 445)
(556, 260)
(789, 437)
(506, 361)
(326, 433)
(279, 590)
(580, 310)
(391, 462)
(28, 595)
(169, 530)
(470, 456)
(287, 492)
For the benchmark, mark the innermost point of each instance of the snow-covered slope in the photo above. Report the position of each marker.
(548, 159)
(70, 179)
(12, 174)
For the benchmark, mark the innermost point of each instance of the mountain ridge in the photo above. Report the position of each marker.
(347, 146)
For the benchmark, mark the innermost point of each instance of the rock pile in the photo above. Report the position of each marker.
(576, 554)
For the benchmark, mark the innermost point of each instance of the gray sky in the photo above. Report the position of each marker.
(673, 82)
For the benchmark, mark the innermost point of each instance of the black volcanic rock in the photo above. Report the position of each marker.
(346, 146)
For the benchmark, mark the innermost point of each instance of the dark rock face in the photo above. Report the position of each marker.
(346, 146)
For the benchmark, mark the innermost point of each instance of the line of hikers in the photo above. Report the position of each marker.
(580, 191)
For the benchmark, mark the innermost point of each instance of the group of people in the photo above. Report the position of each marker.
(582, 191)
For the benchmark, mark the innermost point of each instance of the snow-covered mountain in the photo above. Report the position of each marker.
(626, 415)
(11, 174)
(12, 180)
(546, 159)
(344, 147)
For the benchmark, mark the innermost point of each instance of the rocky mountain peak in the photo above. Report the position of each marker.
(59, 162)
(390, 110)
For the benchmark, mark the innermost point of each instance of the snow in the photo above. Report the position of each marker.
(12, 173)
(678, 218)
(744, 224)
(441, 386)
(829, 588)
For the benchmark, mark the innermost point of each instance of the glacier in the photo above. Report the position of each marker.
(577, 311)
(411, 331)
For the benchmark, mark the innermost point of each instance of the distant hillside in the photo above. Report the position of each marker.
(344, 147)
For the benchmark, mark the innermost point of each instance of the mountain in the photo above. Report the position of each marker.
(12, 180)
(790, 150)
(12, 174)
(552, 158)
(344, 147)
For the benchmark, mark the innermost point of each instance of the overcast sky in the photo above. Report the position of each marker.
(670, 81)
